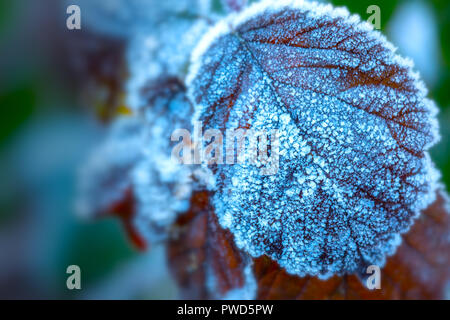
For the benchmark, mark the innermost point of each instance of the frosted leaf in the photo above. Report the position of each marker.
(137, 157)
(354, 123)
(162, 186)
(107, 174)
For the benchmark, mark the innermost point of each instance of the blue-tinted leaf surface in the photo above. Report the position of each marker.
(355, 126)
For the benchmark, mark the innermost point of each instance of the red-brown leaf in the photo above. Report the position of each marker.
(419, 269)
(124, 209)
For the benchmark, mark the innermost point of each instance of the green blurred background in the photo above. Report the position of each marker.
(55, 96)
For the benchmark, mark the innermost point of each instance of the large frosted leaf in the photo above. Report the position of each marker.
(162, 186)
(355, 126)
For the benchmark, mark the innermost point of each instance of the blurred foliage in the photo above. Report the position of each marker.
(6, 8)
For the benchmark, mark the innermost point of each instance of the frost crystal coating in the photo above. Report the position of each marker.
(137, 156)
(162, 52)
(355, 126)
(162, 185)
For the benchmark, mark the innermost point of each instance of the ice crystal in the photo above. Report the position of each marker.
(355, 126)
